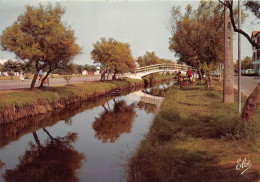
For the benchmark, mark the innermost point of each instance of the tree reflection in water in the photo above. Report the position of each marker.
(112, 123)
(149, 108)
(1, 164)
(56, 160)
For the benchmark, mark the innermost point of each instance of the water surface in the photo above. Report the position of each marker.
(86, 142)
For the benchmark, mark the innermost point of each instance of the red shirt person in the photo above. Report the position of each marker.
(190, 74)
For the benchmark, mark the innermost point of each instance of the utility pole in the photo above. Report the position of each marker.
(228, 92)
(220, 69)
(239, 61)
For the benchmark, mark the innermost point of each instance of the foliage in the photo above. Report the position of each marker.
(13, 66)
(39, 36)
(113, 55)
(246, 63)
(254, 7)
(90, 67)
(79, 68)
(197, 36)
(17, 66)
(148, 59)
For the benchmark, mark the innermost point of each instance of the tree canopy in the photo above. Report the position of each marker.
(113, 55)
(197, 36)
(39, 35)
(11, 65)
(246, 63)
(150, 58)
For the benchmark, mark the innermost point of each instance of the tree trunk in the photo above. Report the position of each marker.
(200, 74)
(34, 79)
(107, 75)
(41, 85)
(114, 76)
(251, 104)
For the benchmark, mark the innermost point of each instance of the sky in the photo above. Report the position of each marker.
(142, 24)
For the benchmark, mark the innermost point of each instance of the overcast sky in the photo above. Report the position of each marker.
(142, 24)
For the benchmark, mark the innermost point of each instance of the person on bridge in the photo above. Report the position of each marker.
(190, 74)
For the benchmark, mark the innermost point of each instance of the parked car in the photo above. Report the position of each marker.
(249, 72)
(215, 73)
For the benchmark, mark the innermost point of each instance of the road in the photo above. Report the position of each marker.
(248, 83)
(17, 84)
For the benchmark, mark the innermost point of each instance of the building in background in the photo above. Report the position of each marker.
(256, 52)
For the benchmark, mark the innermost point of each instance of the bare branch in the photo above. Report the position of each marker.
(230, 7)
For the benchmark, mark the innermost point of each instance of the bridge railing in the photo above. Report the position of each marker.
(164, 66)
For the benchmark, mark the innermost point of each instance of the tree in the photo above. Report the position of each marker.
(149, 58)
(12, 66)
(165, 61)
(254, 98)
(90, 67)
(39, 36)
(197, 36)
(1, 67)
(246, 63)
(79, 68)
(113, 55)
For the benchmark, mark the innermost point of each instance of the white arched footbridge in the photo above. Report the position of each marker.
(166, 67)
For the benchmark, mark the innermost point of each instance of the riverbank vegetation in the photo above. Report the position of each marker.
(17, 104)
(195, 137)
(156, 77)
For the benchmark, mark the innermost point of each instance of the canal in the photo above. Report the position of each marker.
(86, 142)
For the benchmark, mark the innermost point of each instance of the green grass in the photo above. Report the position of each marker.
(195, 137)
(26, 97)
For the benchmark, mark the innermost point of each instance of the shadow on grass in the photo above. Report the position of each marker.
(185, 166)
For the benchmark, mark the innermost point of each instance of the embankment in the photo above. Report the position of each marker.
(196, 137)
(18, 104)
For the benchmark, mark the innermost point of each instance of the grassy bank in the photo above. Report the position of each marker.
(195, 137)
(157, 77)
(23, 103)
